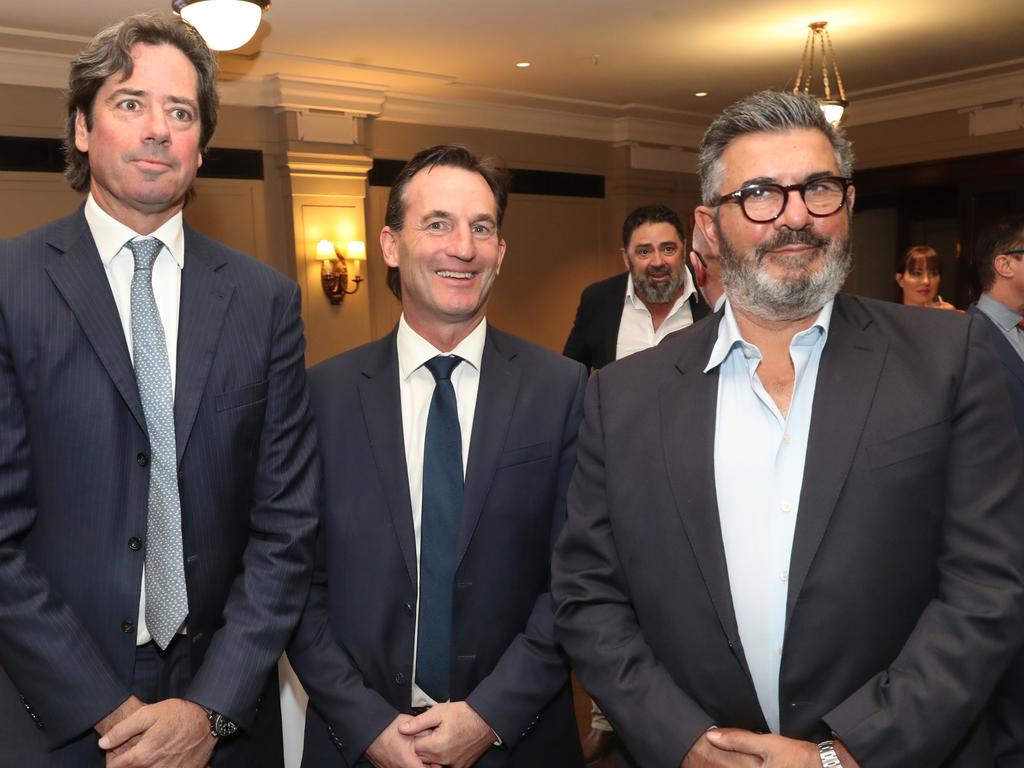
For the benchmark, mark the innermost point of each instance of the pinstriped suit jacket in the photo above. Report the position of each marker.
(74, 486)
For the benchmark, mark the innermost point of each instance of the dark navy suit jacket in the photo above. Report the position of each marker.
(1008, 729)
(74, 484)
(353, 650)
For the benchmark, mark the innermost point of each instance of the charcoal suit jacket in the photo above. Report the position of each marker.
(906, 593)
(353, 650)
(74, 480)
(1008, 711)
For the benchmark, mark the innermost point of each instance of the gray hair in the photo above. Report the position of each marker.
(764, 112)
(109, 54)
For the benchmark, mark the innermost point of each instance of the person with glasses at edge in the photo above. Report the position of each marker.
(822, 564)
(999, 257)
(918, 274)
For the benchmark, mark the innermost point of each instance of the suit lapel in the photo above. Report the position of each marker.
(495, 401)
(687, 404)
(82, 281)
(381, 402)
(851, 365)
(205, 296)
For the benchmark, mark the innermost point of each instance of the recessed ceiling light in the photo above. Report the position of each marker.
(522, 64)
(701, 94)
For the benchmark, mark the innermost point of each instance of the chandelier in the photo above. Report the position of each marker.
(833, 102)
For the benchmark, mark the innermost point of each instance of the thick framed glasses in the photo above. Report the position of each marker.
(1014, 252)
(762, 203)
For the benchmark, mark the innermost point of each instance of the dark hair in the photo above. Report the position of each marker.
(449, 156)
(764, 112)
(924, 255)
(110, 54)
(998, 237)
(651, 214)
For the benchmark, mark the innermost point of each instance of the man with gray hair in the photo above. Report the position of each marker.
(834, 577)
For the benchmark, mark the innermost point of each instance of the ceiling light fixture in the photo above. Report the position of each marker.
(224, 24)
(701, 94)
(523, 64)
(833, 105)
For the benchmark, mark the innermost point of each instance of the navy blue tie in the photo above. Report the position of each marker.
(439, 532)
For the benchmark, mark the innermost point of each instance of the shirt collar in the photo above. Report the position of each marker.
(110, 234)
(1001, 314)
(414, 350)
(637, 303)
(729, 335)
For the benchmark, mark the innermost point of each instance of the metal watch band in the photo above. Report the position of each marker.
(827, 753)
(220, 726)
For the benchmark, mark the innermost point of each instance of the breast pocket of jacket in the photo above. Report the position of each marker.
(514, 457)
(924, 449)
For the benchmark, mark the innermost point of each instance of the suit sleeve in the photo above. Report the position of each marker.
(532, 669)
(355, 714)
(913, 712)
(596, 623)
(576, 346)
(43, 647)
(266, 598)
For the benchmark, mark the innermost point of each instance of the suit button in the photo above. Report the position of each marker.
(399, 678)
(409, 609)
(134, 544)
(127, 627)
(142, 459)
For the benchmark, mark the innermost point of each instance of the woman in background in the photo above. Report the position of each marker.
(918, 276)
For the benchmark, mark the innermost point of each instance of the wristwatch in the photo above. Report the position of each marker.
(220, 726)
(827, 753)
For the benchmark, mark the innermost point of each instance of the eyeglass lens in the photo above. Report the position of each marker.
(765, 202)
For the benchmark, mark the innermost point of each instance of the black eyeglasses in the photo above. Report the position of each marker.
(762, 203)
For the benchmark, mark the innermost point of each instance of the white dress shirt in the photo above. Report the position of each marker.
(416, 387)
(759, 472)
(111, 236)
(636, 328)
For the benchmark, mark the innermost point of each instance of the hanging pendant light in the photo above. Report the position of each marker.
(833, 104)
(224, 24)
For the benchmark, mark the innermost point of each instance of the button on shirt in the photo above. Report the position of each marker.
(636, 328)
(759, 470)
(416, 387)
(1006, 319)
(110, 236)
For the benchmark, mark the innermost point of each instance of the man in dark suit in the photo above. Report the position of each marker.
(654, 297)
(1000, 260)
(446, 452)
(157, 457)
(799, 521)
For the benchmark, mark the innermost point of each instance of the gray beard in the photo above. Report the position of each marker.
(658, 293)
(754, 291)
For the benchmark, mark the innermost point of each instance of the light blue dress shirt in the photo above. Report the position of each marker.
(759, 471)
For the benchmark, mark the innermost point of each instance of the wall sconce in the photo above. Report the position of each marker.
(334, 270)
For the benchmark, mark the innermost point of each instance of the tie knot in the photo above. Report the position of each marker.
(441, 367)
(145, 252)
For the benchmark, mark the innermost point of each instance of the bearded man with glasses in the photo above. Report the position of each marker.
(837, 578)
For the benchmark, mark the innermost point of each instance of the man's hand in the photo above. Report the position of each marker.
(704, 754)
(127, 708)
(450, 734)
(392, 749)
(173, 733)
(773, 751)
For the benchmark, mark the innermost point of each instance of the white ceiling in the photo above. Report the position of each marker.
(604, 59)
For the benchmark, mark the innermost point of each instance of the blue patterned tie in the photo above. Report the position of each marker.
(439, 531)
(166, 598)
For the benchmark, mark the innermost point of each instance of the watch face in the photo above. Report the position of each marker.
(223, 726)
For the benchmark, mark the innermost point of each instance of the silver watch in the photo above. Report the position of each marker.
(827, 753)
(220, 726)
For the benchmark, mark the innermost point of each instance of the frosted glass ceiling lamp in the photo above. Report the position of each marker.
(832, 104)
(224, 24)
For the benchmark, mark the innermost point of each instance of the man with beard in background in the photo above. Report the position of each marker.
(794, 531)
(635, 310)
